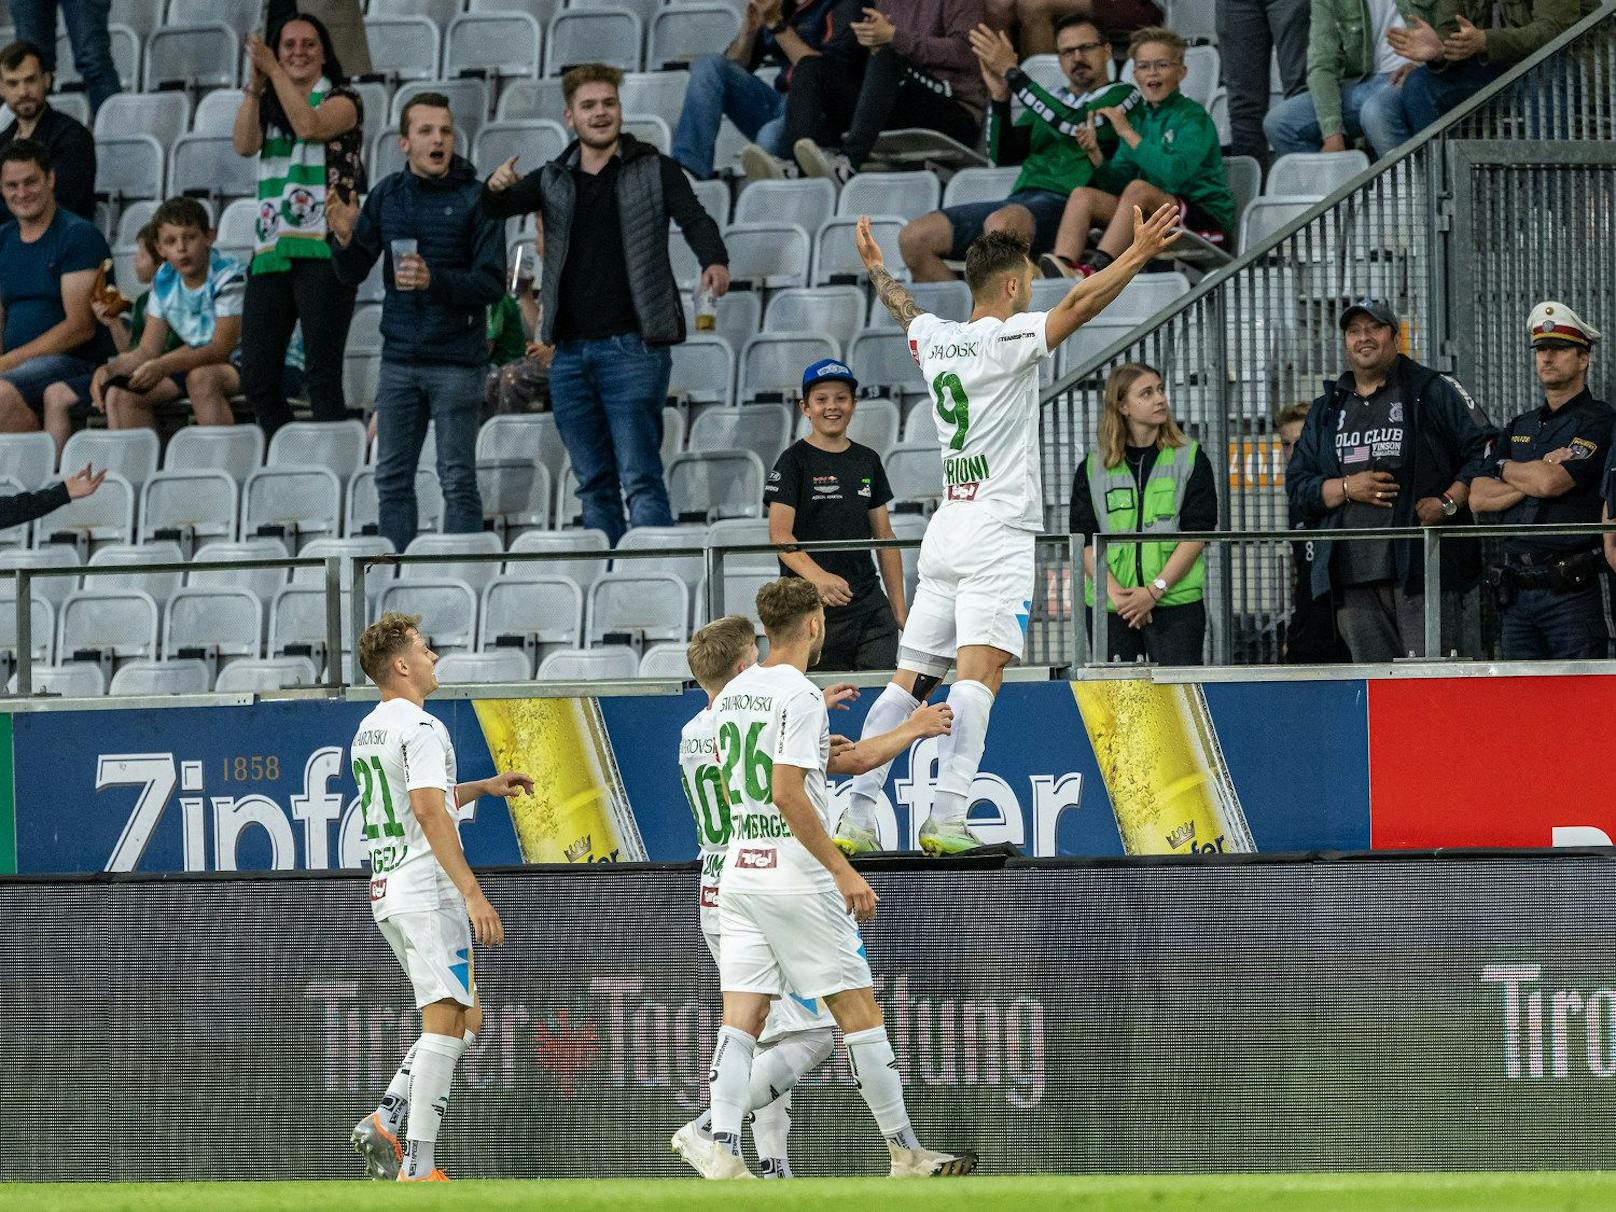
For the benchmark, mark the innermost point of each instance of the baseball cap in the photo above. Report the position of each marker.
(1377, 310)
(1554, 324)
(828, 370)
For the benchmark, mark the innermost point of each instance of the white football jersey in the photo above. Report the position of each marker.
(983, 378)
(400, 748)
(698, 771)
(769, 715)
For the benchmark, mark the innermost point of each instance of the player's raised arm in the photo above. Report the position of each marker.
(431, 809)
(791, 799)
(870, 753)
(1094, 294)
(888, 289)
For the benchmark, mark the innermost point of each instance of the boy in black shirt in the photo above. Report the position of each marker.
(827, 486)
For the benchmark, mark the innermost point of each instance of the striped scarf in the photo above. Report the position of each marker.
(291, 196)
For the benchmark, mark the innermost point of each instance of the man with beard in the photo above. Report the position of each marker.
(1545, 470)
(608, 297)
(24, 84)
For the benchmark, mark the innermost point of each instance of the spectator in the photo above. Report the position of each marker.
(49, 260)
(197, 295)
(1043, 140)
(1545, 471)
(817, 36)
(1039, 19)
(87, 32)
(1144, 474)
(826, 486)
(345, 20)
(1310, 636)
(1168, 152)
(1389, 443)
(608, 300)
(921, 72)
(1250, 33)
(21, 508)
(1459, 58)
(304, 124)
(1352, 72)
(519, 367)
(67, 402)
(24, 85)
(444, 269)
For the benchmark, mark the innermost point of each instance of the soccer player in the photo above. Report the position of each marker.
(799, 1033)
(787, 896)
(976, 561)
(423, 896)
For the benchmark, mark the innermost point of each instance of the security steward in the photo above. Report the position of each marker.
(1546, 471)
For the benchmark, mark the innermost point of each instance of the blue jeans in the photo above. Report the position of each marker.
(967, 219)
(86, 22)
(408, 396)
(718, 87)
(1543, 625)
(1370, 109)
(1427, 95)
(607, 398)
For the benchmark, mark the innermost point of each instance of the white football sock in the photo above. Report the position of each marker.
(729, 1081)
(891, 709)
(778, 1065)
(771, 1129)
(431, 1075)
(704, 1122)
(875, 1070)
(395, 1103)
(959, 754)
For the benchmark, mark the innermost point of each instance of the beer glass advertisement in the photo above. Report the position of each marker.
(1097, 768)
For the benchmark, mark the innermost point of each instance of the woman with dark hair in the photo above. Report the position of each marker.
(305, 126)
(1143, 474)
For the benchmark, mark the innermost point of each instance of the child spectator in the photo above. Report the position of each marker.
(518, 366)
(197, 295)
(1168, 152)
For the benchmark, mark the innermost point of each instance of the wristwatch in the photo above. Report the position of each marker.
(1449, 506)
(1160, 586)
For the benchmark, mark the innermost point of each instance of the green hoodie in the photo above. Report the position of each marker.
(1178, 153)
(1044, 138)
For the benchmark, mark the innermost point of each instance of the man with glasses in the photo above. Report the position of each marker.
(1167, 152)
(1044, 140)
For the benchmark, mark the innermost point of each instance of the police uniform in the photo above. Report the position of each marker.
(1553, 596)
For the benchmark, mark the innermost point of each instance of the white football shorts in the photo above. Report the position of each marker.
(434, 949)
(802, 945)
(787, 1014)
(975, 587)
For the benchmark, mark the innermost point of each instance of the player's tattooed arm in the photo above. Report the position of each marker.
(893, 296)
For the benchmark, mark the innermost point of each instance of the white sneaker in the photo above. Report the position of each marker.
(698, 1149)
(727, 1165)
(928, 1163)
(758, 165)
(815, 161)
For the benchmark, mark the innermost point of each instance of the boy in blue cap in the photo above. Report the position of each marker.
(827, 486)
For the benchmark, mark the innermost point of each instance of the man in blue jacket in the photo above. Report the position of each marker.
(1389, 443)
(445, 267)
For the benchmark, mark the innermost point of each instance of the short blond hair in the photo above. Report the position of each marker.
(589, 73)
(782, 605)
(384, 640)
(1161, 34)
(717, 648)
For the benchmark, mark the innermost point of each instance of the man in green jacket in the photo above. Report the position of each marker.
(1167, 152)
(1042, 140)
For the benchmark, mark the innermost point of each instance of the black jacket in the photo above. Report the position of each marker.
(72, 154)
(463, 248)
(1448, 439)
(650, 188)
(28, 506)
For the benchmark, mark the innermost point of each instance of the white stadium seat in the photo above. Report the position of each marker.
(479, 668)
(682, 33)
(585, 665)
(498, 45)
(130, 453)
(581, 572)
(160, 585)
(477, 575)
(772, 363)
(265, 676)
(612, 36)
(764, 429)
(337, 445)
(190, 507)
(907, 195)
(295, 503)
(28, 458)
(261, 582)
(448, 610)
(834, 311)
(716, 484)
(200, 57)
(153, 679)
(213, 624)
(403, 48)
(644, 605)
(666, 661)
(531, 613)
(805, 201)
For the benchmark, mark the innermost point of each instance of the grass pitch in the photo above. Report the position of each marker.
(1514, 1192)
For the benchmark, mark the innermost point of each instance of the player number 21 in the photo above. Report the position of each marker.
(956, 409)
(369, 776)
(758, 769)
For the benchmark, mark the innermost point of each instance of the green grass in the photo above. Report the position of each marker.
(1522, 1192)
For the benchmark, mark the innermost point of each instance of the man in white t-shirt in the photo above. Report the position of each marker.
(976, 561)
(423, 895)
(787, 896)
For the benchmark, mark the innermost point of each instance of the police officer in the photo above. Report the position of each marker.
(1546, 470)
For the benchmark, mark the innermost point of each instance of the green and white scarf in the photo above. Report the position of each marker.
(291, 196)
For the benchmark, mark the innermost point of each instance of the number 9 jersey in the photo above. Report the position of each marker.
(984, 386)
(401, 748)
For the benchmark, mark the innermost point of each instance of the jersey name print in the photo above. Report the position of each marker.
(983, 378)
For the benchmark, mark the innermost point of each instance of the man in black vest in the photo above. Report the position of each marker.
(610, 304)
(1545, 470)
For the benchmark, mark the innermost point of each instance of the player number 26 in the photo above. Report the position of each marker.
(757, 768)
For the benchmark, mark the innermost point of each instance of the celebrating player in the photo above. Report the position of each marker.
(787, 895)
(422, 894)
(976, 561)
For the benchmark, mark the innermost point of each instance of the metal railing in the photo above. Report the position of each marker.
(1423, 223)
